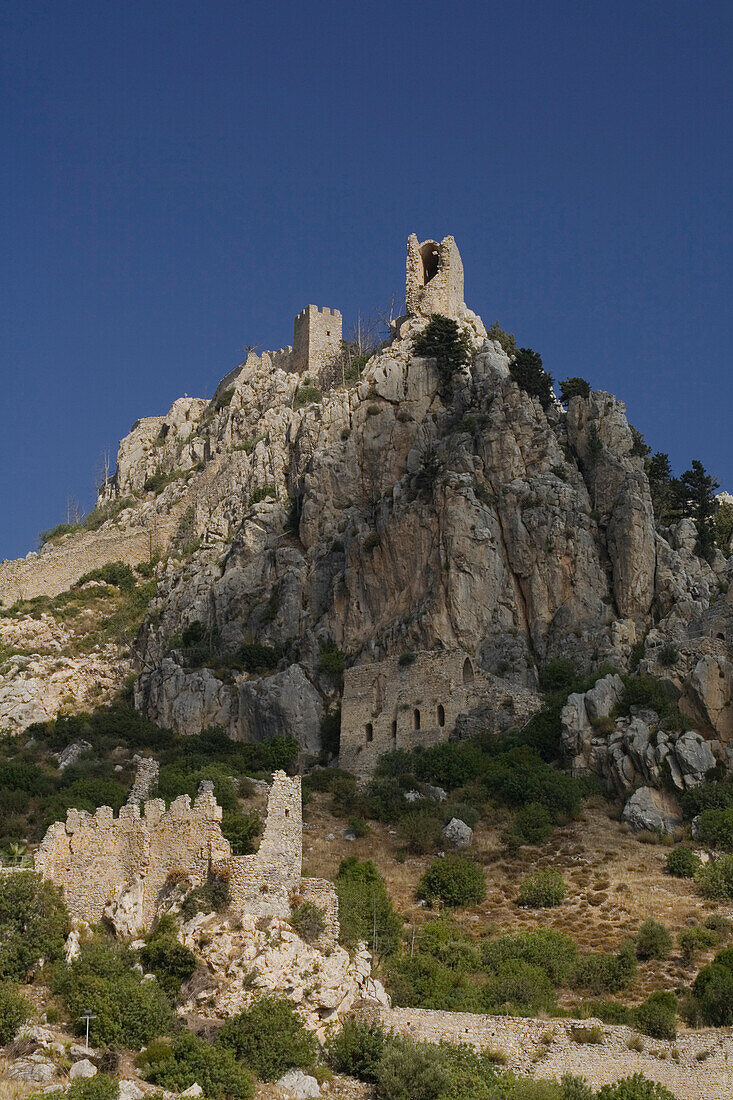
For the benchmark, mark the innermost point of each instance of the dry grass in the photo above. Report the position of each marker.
(14, 1090)
(614, 884)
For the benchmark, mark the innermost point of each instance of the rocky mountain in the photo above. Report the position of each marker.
(349, 511)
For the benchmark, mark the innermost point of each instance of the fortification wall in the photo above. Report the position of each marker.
(394, 704)
(316, 339)
(701, 1067)
(96, 858)
(57, 567)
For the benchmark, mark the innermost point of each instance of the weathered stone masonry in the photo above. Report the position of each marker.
(101, 861)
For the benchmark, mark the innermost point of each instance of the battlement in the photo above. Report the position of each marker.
(316, 339)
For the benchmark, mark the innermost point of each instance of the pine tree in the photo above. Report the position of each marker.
(699, 496)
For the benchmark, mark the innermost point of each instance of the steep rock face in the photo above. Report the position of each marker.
(397, 520)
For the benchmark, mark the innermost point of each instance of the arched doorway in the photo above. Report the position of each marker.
(430, 255)
(467, 671)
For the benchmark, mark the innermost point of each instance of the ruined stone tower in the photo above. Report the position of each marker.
(316, 339)
(434, 278)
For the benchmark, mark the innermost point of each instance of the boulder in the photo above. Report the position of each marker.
(282, 705)
(72, 753)
(82, 1069)
(126, 912)
(694, 756)
(652, 810)
(298, 1085)
(457, 833)
(129, 1090)
(38, 1070)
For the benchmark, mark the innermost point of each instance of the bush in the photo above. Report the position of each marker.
(307, 395)
(542, 890)
(715, 879)
(33, 923)
(420, 980)
(517, 987)
(693, 940)
(713, 990)
(714, 828)
(170, 961)
(114, 572)
(573, 387)
(657, 1016)
(552, 951)
(102, 980)
(505, 340)
(532, 824)
(366, 913)
(255, 657)
(101, 1087)
(308, 921)
(269, 1037)
(332, 660)
(176, 1065)
(420, 830)
(558, 675)
(683, 862)
(454, 880)
(637, 1087)
(653, 941)
(443, 341)
(14, 1011)
(658, 695)
(527, 371)
(356, 1049)
(213, 896)
(607, 973)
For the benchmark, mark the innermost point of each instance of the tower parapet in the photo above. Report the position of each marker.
(316, 339)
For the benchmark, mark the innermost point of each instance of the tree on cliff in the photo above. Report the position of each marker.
(699, 487)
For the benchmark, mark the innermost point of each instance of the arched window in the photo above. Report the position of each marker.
(369, 731)
(430, 260)
(441, 714)
(416, 719)
(467, 671)
(394, 730)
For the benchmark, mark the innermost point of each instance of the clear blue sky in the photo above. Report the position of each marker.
(180, 178)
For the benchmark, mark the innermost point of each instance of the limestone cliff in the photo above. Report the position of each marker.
(375, 517)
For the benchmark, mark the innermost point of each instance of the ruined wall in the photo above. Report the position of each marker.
(694, 1065)
(434, 278)
(394, 704)
(316, 339)
(96, 858)
(57, 568)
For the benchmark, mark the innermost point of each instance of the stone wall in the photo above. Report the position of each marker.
(57, 567)
(395, 704)
(434, 278)
(701, 1068)
(316, 339)
(107, 865)
(99, 859)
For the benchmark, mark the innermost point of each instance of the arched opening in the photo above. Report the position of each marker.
(369, 731)
(467, 672)
(430, 256)
(441, 714)
(394, 729)
(287, 812)
(416, 719)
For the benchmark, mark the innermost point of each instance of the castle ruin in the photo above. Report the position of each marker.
(106, 864)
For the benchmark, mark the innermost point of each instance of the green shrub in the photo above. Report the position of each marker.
(552, 951)
(658, 695)
(420, 830)
(332, 659)
(715, 879)
(307, 395)
(558, 675)
(213, 896)
(427, 1071)
(308, 921)
(657, 1016)
(683, 862)
(56, 532)
(356, 1049)
(454, 880)
(711, 794)
(542, 890)
(359, 827)
(102, 980)
(653, 940)
(269, 1037)
(443, 341)
(527, 371)
(713, 990)
(573, 387)
(607, 973)
(532, 824)
(185, 1060)
(637, 1087)
(505, 340)
(517, 987)
(366, 912)
(720, 924)
(714, 828)
(14, 1011)
(419, 980)
(693, 940)
(443, 940)
(116, 573)
(163, 955)
(33, 923)
(101, 1087)
(611, 1012)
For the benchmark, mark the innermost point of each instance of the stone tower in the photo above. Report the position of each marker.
(434, 278)
(316, 339)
